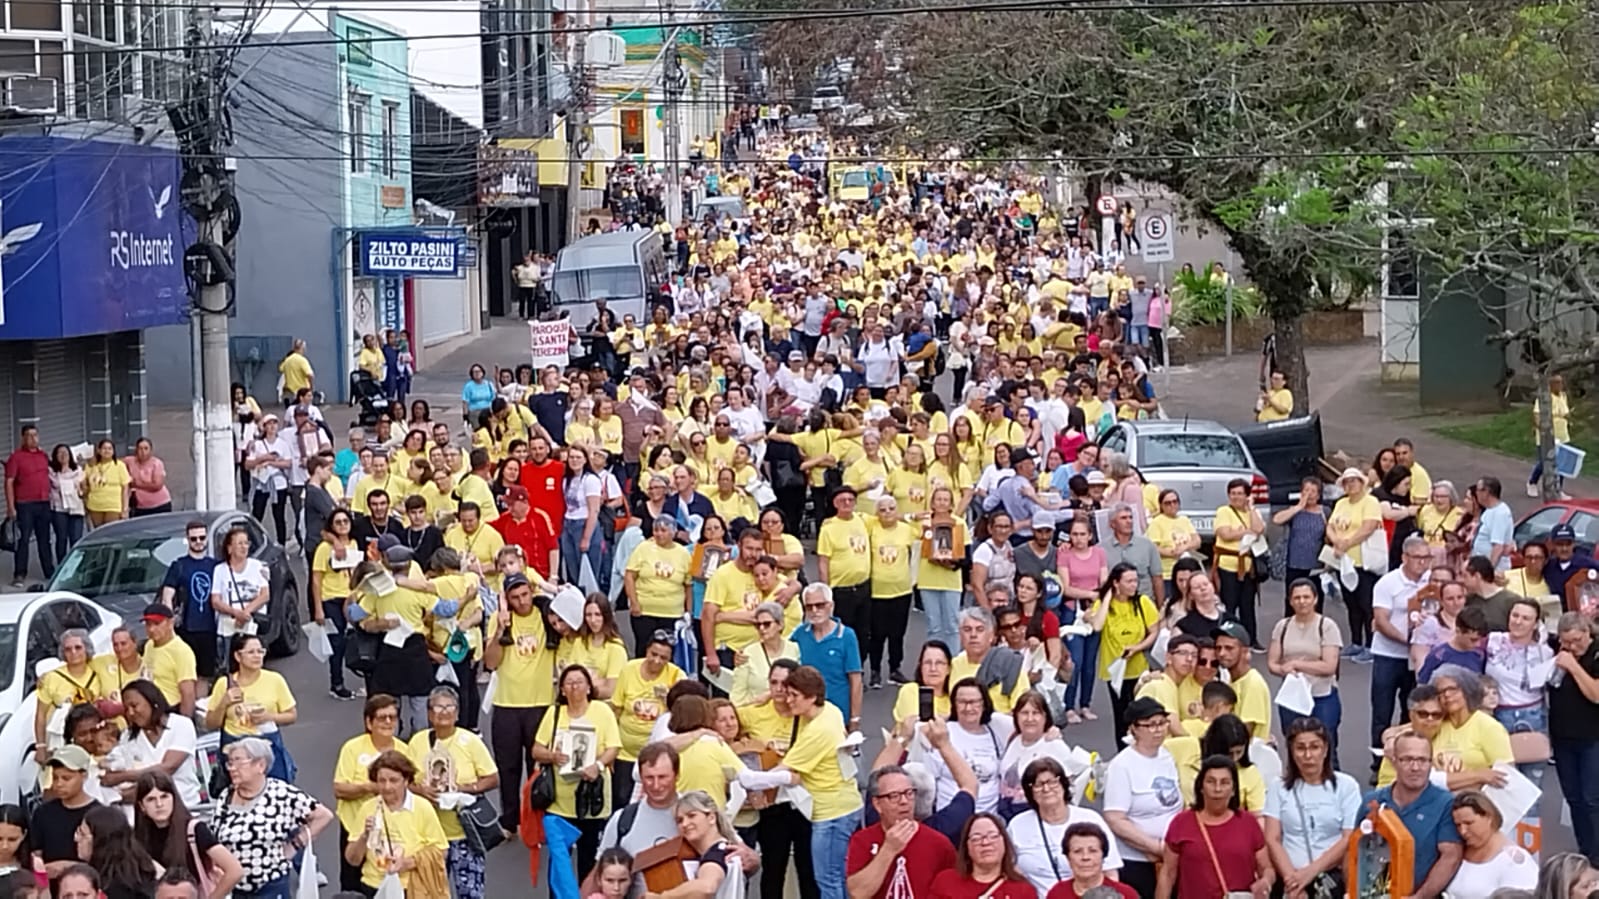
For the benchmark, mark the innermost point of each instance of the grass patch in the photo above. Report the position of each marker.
(1511, 433)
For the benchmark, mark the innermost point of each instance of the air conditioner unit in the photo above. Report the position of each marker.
(29, 95)
(606, 50)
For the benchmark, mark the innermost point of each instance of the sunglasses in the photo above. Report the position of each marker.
(1206, 663)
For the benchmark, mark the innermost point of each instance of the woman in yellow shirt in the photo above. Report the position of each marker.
(704, 763)
(580, 738)
(909, 483)
(1441, 515)
(1171, 532)
(1235, 521)
(252, 701)
(1277, 402)
(1355, 517)
(949, 470)
(295, 371)
(729, 501)
(399, 832)
(812, 762)
(109, 484)
(967, 448)
(370, 359)
(1128, 624)
(581, 430)
(892, 541)
(596, 646)
(1471, 741)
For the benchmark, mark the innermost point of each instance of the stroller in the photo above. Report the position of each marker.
(367, 394)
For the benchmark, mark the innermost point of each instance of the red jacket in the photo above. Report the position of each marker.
(544, 488)
(535, 535)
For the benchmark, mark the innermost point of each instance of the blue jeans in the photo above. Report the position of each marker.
(943, 608)
(33, 520)
(1391, 683)
(830, 840)
(68, 530)
(1329, 710)
(1577, 766)
(333, 611)
(1085, 662)
(282, 888)
(1528, 719)
(1138, 334)
(572, 558)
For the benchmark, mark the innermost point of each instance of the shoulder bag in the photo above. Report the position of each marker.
(541, 792)
(480, 821)
(1221, 876)
(1327, 884)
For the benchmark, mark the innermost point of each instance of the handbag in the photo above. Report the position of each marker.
(479, 821)
(833, 475)
(786, 475)
(361, 648)
(541, 792)
(1221, 877)
(1530, 747)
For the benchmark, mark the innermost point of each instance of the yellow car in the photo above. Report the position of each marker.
(850, 184)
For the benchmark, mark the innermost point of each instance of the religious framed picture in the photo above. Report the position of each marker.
(580, 746)
(711, 558)
(1582, 593)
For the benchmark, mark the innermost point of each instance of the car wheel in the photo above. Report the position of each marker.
(287, 642)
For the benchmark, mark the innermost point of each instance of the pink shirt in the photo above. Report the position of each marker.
(144, 473)
(1082, 573)
(1157, 311)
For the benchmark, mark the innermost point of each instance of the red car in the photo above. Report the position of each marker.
(1581, 514)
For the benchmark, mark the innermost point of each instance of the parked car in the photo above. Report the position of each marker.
(121, 566)
(827, 97)
(31, 625)
(1199, 458)
(1581, 514)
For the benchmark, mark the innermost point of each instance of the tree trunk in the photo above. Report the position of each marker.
(1291, 360)
(1549, 485)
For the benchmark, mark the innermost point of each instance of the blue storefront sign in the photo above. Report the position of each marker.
(391, 304)
(91, 238)
(408, 254)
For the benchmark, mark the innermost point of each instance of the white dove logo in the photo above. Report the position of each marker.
(16, 237)
(160, 203)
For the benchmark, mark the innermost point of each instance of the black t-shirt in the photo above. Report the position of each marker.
(717, 855)
(1195, 624)
(204, 841)
(190, 580)
(1571, 715)
(364, 529)
(52, 829)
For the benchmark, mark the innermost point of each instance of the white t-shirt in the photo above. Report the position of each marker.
(1145, 789)
(1393, 592)
(177, 736)
(983, 751)
(1512, 868)
(1329, 809)
(1038, 844)
(1001, 560)
(578, 490)
(238, 589)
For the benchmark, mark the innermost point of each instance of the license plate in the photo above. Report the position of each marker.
(1206, 523)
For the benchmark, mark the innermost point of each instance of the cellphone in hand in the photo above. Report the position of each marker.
(924, 703)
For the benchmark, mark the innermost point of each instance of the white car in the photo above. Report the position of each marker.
(31, 625)
(827, 97)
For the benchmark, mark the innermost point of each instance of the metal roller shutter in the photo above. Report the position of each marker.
(444, 308)
(8, 424)
(63, 399)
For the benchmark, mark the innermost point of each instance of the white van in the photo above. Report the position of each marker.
(626, 269)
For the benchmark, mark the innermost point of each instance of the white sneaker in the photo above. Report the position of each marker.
(1532, 490)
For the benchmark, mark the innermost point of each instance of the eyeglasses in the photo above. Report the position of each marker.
(1012, 625)
(899, 795)
(196, 538)
(441, 709)
(389, 718)
(1151, 724)
(763, 625)
(1051, 783)
(1413, 761)
(983, 839)
(815, 606)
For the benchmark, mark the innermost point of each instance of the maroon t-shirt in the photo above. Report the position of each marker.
(951, 885)
(927, 855)
(1065, 890)
(1235, 842)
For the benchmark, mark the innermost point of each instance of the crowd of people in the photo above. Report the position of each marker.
(769, 479)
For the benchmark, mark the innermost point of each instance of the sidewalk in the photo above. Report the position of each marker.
(1359, 414)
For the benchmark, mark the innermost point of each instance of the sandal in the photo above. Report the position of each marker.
(1088, 715)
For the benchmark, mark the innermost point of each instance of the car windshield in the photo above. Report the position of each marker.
(855, 179)
(101, 568)
(585, 285)
(8, 654)
(1181, 450)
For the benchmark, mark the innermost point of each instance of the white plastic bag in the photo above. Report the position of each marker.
(446, 675)
(316, 640)
(585, 577)
(306, 887)
(1157, 652)
(1294, 694)
(1116, 672)
(391, 888)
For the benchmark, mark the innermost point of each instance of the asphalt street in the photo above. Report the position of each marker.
(326, 723)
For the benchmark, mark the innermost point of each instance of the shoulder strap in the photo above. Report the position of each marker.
(793, 731)
(624, 822)
(433, 739)
(1221, 877)
(1044, 835)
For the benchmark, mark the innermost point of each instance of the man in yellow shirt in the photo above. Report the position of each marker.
(844, 563)
(1166, 686)
(170, 660)
(379, 478)
(1420, 480)
(518, 651)
(1254, 697)
(977, 634)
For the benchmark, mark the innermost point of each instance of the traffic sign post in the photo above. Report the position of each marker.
(1155, 240)
(1106, 204)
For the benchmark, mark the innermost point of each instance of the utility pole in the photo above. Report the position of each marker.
(207, 195)
(577, 143)
(673, 82)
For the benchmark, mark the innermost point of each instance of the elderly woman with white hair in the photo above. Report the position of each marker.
(1126, 486)
(1470, 742)
(831, 647)
(264, 821)
(753, 663)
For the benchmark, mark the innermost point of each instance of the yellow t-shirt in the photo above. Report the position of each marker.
(463, 759)
(738, 505)
(864, 471)
(700, 768)
(1185, 751)
(661, 574)
(392, 484)
(355, 757)
(1283, 397)
(410, 605)
(269, 691)
(910, 490)
(733, 589)
(908, 704)
(59, 688)
(472, 488)
(1126, 625)
(961, 668)
(1227, 516)
(817, 443)
(638, 702)
(1347, 517)
(1481, 742)
(603, 661)
(814, 757)
(845, 544)
(1163, 532)
(106, 482)
(114, 677)
(412, 829)
(482, 544)
(765, 723)
(370, 361)
(526, 675)
(1254, 703)
(891, 558)
(939, 475)
(296, 372)
(1420, 484)
(1164, 690)
(1434, 524)
(170, 665)
(609, 431)
(601, 722)
(335, 581)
